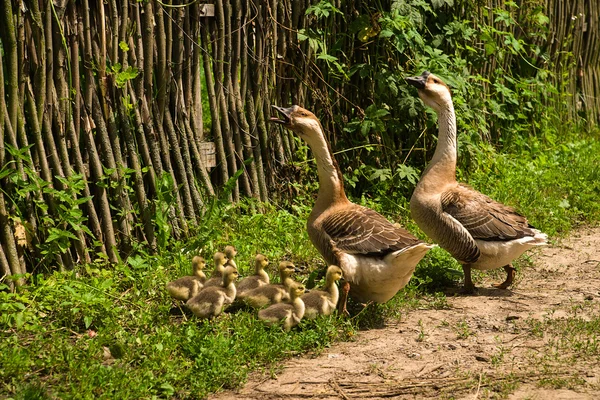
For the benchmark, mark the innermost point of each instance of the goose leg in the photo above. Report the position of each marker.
(468, 288)
(344, 299)
(510, 276)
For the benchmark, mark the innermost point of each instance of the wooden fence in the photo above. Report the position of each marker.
(106, 109)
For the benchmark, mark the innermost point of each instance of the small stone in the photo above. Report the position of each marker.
(451, 346)
(482, 358)
(414, 355)
(512, 317)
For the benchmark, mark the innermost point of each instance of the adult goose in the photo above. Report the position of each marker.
(478, 231)
(377, 258)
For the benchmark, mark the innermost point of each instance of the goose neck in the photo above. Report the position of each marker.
(443, 163)
(331, 184)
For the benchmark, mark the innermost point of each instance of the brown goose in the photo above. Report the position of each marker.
(272, 293)
(211, 300)
(188, 286)
(478, 231)
(215, 279)
(323, 302)
(377, 257)
(259, 278)
(290, 313)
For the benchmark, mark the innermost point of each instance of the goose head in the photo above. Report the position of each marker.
(286, 269)
(296, 290)
(334, 273)
(220, 260)
(198, 264)
(299, 120)
(260, 262)
(230, 275)
(432, 90)
(230, 252)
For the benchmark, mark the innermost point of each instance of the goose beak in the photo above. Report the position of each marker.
(285, 113)
(419, 81)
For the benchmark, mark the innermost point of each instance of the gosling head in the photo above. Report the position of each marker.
(230, 252)
(432, 90)
(220, 258)
(260, 262)
(198, 263)
(287, 268)
(230, 275)
(298, 119)
(297, 290)
(335, 272)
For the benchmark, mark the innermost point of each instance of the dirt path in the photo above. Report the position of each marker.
(540, 340)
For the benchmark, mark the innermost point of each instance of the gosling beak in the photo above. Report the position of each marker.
(419, 81)
(285, 113)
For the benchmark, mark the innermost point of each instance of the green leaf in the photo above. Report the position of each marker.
(87, 320)
(366, 127)
(326, 57)
(125, 76)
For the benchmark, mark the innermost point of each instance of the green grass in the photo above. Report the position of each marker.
(100, 332)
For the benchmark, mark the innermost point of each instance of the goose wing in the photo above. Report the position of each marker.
(360, 230)
(484, 218)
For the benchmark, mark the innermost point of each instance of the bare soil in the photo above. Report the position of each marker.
(529, 342)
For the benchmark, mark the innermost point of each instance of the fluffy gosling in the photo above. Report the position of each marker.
(210, 301)
(323, 302)
(272, 293)
(230, 253)
(188, 286)
(260, 277)
(215, 279)
(289, 313)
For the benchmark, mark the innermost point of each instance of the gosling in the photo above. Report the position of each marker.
(188, 286)
(217, 276)
(230, 253)
(289, 313)
(260, 277)
(323, 302)
(272, 293)
(210, 301)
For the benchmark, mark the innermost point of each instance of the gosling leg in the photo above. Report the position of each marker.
(468, 288)
(510, 276)
(344, 299)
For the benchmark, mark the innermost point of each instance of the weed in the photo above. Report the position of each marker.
(463, 331)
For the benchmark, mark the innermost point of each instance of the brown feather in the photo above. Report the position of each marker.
(484, 218)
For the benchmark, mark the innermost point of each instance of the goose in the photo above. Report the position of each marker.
(272, 293)
(210, 301)
(230, 253)
(479, 232)
(215, 279)
(290, 313)
(259, 278)
(323, 302)
(377, 258)
(188, 286)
